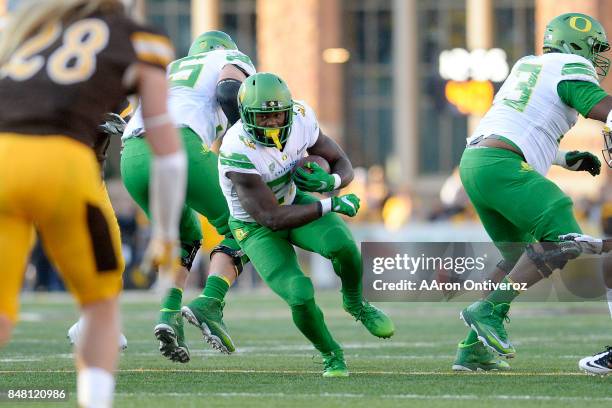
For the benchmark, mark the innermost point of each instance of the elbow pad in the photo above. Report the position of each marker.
(227, 97)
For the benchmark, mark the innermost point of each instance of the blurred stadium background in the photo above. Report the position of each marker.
(399, 83)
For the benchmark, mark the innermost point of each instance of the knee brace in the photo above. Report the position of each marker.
(188, 253)
(506, 265)
(238, 256)
(548, 256)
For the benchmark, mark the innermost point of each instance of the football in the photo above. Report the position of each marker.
(312, 158)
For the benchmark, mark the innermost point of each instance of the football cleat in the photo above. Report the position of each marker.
(74, 333)
(206, 313)
(487, 320)
(169, 332)
(334, 364)
(599, 364)
(477, 357)
(374, 319)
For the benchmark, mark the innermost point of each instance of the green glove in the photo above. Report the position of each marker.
(345, 204)
(582, 161)
(317, 180)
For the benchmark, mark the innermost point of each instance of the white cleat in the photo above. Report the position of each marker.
(74, 333)
(599, 364)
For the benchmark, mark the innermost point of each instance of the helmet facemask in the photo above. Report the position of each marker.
(602, 64)
(269, 136)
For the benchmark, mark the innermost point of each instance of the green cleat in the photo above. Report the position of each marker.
(169, 332)
(487, 320)
(477, 357)
(374, 319)
(334, 364)
(206, 313)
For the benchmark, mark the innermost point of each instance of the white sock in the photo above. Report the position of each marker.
(610, 300)
(95, 388)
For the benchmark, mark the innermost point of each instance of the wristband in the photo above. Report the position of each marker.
(559, 159)
(326, 206)
(337, 181)
(157, 121)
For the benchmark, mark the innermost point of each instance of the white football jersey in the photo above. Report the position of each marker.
(528, 110)
(241, 154)
(191, 100)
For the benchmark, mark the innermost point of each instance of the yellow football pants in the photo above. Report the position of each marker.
(52, 184)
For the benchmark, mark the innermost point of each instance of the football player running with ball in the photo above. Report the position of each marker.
(504, 165)
(203, 104)
(271, 211)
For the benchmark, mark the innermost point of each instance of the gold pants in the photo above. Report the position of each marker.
(52, 184)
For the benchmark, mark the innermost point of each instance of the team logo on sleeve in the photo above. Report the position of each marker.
(300, 108)
(247, 142)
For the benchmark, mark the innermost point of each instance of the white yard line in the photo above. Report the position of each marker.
(386, 396)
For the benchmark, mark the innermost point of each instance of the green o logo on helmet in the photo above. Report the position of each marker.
(579, 34)
(586, 24)
(261, 94)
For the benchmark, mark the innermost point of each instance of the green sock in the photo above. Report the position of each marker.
(216, 287)
(471, 338)
(309, 319)
(499, 296)
(172, 301)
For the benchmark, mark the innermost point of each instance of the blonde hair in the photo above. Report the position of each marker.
(36, 14)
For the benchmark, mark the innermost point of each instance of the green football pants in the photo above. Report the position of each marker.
(515, 203)
(203, 194)
(273, 256)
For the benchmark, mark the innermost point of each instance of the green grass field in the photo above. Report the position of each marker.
(275, 366)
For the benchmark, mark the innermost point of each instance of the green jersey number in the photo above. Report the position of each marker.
(239, 57)
(526, 78)
(186, 71)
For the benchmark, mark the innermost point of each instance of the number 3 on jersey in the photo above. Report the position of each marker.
(74, 61)
(525, 80)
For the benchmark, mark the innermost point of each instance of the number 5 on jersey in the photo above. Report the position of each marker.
(74, 61)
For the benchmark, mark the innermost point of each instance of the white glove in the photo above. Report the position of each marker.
(588, 244)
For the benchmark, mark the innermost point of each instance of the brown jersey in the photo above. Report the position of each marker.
(66, 77)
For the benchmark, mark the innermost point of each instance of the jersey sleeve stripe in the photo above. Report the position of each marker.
(282, 180)
(236, 163)
(151, 48)
(236, 156)
(578, 69)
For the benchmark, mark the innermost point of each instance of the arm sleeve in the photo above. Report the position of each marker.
(580, 95)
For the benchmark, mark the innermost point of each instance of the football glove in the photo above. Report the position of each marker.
(113, 125)
(587, 243)
(345, 204)
(317, 180)
(582, 161)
